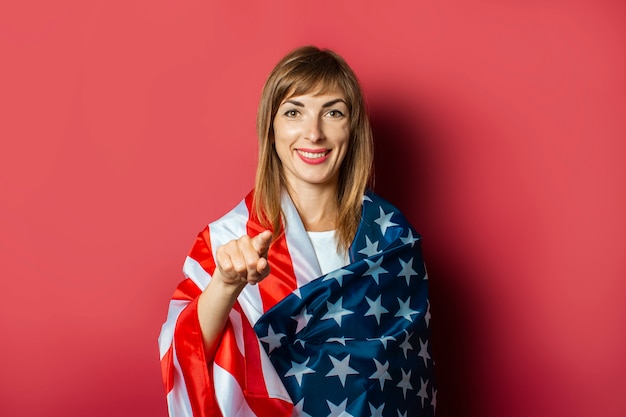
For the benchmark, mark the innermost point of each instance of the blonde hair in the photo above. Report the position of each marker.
(305, 70)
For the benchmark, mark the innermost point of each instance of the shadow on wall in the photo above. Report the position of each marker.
(410, 167)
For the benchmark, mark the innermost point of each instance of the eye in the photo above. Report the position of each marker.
(335, 114)
(291, 113)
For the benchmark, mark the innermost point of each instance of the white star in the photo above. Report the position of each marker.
(341, 369)
(338, 410)
(375, 269)
(371, 248)
(299, 369)
(405, 383)
(404, 309)
(376, 309)
(366, 198)
(422, 393)
(376, 412)
(384, 221)
(336, 311)
(407, 270)
(409, 238)
(381, 373)
(433, 402)
(401, 415)
(427, 315)
(302, 319)
(302, 342)
(424, 352)
(341, 339)
(337, 275)
(298, 408)
(272, 339)
(297, 293)
(405, 345)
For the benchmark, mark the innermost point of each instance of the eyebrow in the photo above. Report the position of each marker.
(327, 104)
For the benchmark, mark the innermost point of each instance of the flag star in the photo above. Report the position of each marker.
(375, 269)
(341, 369)
(406, 345)
(427, 315)
(376, 412)
(371, 248)
(336, 311)
(299, 408)
(384, 221)
(299, 369)
(407, 270)
(381, 373)
(341, 339)
(366, 198)
(300, 341)
(404, 309)
(424, 352)
(405, 383)
(297, 293)
(401, 415)
(384, 339)
(338, 410)
(272, 339)
(337, 275)
(302, 319)
(433, 402)
(422, 393)
(376, 309)
(409, 238)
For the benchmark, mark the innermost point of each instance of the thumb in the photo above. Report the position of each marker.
(261, 242)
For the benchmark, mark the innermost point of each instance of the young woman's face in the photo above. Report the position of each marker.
(311, 134)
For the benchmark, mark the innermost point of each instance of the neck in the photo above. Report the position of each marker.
(317, 207)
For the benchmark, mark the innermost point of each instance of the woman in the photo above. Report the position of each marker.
(310, 297)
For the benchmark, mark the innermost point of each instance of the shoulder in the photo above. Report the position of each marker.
(382, 227)
(233, 224)
(377, 209)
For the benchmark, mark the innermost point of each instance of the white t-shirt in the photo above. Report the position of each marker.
(325, 247)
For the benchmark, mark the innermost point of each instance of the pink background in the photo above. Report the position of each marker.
(126, 126)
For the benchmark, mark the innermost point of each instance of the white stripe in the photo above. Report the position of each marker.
(178, 403)
(229, 395)
(230, 226)
(166, 337)
(235, 320)
(301, 250)
(273, 383)
(194, 271)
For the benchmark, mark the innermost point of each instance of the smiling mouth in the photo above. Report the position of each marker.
(313, 154)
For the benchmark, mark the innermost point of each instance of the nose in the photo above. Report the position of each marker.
(314, 131)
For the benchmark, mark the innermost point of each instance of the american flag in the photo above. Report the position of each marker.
(354, 342)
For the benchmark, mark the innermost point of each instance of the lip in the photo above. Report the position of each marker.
(313, 156)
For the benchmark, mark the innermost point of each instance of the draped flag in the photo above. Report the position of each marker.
(354, 342)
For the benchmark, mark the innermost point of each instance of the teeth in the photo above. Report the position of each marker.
(312, 155)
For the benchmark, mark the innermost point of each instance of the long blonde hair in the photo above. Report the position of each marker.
(305, 70)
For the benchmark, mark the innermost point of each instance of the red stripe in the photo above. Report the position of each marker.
(167, 370)
(201, 251)
(281, 281)
(190, 355)
(187, 290)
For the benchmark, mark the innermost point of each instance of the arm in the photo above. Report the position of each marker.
(238, 263)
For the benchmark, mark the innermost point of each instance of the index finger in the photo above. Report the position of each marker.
(261, 242)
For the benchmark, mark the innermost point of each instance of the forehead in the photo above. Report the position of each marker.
(320, 87)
